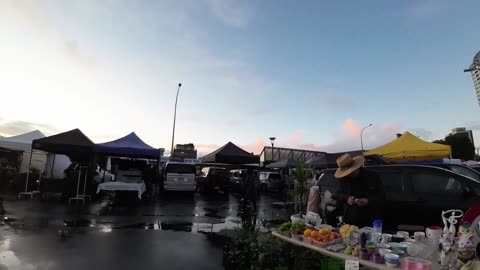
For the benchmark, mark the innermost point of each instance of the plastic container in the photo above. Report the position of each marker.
(298, 237)
(377, 225)
(320, 244)
(412, 263)
(307, 239)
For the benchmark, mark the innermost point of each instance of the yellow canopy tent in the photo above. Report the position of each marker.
(411, 148)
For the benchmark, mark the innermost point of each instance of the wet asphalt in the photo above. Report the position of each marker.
(116, 231)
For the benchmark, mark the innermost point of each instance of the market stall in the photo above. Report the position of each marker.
(78, 147)
(409, 147)
(230, 154)
(363, 246)
(454, 247)
(130, 149)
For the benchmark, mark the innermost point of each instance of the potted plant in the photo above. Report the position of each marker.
(300, 191)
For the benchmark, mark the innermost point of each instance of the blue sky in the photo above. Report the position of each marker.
(311, 73)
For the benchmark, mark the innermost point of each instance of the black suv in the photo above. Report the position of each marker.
(415, 194)
(213, 178)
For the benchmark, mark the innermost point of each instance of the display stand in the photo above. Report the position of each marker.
(83, 196)
(341, 256)
(32, 193)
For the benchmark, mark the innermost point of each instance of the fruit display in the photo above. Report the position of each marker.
(346, 229)
(321, 238)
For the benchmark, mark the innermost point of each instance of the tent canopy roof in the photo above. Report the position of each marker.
(329, 159)
(286, 163)
(231, 154)
(128, 146)
(411, 148)
(25, 137)
(72, 143)
(22, 142)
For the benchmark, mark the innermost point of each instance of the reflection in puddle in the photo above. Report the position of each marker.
(10, 261)
(218, 224)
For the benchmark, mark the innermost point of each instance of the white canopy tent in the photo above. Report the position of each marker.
(41, 161)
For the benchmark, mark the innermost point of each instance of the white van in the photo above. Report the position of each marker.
(179, 176)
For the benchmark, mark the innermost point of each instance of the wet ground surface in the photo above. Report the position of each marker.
(177, 231)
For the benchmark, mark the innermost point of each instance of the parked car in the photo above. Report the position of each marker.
(271, 181)
(179, 176)
(100, 174)
(415, 194)
(213, 178)
(461, 169)
(458, 168)
(236, 178)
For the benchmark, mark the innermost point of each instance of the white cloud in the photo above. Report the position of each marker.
(81, 74)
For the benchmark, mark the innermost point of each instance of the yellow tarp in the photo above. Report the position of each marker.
(411, 148)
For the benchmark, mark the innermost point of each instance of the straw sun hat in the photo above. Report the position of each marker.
(347, 165)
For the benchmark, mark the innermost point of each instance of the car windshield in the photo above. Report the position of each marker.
(275, 176)
(466, 171)
(180, 168)
(218, 171)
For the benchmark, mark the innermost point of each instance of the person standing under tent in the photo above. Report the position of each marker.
(361, 191)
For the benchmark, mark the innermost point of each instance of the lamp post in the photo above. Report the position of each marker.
(174, 118)
(361, 135)
(272, 140)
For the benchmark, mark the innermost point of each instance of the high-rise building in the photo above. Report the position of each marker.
(474, 69)
(464, 132)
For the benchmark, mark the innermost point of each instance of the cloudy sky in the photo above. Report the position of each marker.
(311, 73)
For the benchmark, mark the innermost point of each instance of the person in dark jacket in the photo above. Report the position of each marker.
(361, 191)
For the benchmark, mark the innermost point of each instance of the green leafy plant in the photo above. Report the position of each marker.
(297, 227)
(301, 175)
(285, 228)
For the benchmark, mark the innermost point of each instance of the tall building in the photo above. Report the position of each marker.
(185, 151)
(474, 69)
(464, 132)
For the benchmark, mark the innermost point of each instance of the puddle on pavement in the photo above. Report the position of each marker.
(225, 223)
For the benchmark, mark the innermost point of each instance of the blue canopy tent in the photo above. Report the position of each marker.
(128, 146)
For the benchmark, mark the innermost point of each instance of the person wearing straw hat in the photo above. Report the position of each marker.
(361, 191)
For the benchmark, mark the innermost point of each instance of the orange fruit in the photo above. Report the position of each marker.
(315, 234)
(325, 231)
(307, 232)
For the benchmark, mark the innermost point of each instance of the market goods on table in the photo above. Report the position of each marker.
(351, 242)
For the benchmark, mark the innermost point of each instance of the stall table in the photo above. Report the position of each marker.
(123, 186)
(342, 256)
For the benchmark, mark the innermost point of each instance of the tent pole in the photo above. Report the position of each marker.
(53, 164)
(85, 181)
(28, 170)
(78, 180)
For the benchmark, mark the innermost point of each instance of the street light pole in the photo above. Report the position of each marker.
(361, 136)
(272, 140)
(174, 119)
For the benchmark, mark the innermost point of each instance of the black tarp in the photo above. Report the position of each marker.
(73, 144)
(286, 163)
(128, 146)
(230, 154)
(329, 160)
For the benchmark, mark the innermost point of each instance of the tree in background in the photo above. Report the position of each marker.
(462, 147)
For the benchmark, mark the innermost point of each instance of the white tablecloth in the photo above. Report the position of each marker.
(116, 186)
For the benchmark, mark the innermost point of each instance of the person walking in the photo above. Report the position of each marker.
(361, 192)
